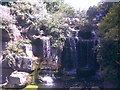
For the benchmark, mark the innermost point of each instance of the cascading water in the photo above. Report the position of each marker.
(79, 54)
(46, 55)
(78, 59)
(69, 54)
(86, 57)
(42, 49)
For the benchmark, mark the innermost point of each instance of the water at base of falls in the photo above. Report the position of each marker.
(50, 80)
(47, 80)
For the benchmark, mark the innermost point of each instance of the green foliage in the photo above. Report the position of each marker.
(109, 47)
(50, 14)
(11, 60)
(31, 87)
(110, 23)
(49, 17)
(96, 13)
(14, 49)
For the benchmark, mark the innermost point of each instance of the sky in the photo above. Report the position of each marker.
(82, 4)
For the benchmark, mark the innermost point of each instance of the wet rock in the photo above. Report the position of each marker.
(34, 31)
(5, 36)
(85, 72)
(24, 64)
(70, 72)
(20, 63)
(37, 48)
(6, 70)
(86, 34)
(42, 48)
(18, 80)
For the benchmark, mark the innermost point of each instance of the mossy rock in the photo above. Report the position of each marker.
(31, 87)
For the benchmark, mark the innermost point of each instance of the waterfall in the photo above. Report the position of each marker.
(69, 55)
(42, 49)
(78, 52)
(46, 48)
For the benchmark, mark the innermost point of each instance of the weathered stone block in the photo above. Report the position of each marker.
(24, 64)
(6, 70)
(18, 80)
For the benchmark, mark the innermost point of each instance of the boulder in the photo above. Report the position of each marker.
(18, 80)
(24, 64)
(41, 47)
(6, 70)
(85, 72)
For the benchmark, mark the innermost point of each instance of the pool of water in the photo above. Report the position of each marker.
(72, 82)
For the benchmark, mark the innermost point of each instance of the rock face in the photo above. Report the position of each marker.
(16, 53)
(5, 36)
(6, 70)
(17, 80)
(24, 64)
(79, 55)
(41, 47)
